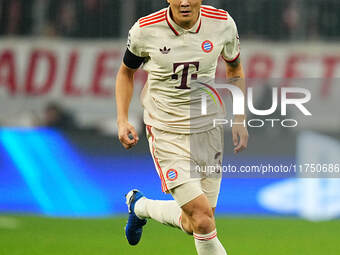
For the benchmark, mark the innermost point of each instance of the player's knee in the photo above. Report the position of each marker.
(203, 221)
(200, 215)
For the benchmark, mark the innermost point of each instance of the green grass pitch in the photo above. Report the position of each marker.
(241, 236)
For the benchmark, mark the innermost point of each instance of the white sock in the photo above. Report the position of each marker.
(164, 211)
(208, 244)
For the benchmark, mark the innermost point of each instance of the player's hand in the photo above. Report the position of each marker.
(240, 137)
(127, 135)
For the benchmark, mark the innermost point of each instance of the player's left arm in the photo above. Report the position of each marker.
(235, 76)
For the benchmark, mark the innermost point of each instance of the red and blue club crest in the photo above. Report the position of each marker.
(207, 46)
(171, 174)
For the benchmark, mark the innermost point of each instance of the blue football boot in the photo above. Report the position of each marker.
(134, 226)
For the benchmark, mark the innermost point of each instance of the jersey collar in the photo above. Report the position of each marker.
(178, 30)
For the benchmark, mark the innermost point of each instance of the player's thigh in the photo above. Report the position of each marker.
(198, 206)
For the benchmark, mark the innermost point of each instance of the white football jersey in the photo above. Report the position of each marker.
(177, 61)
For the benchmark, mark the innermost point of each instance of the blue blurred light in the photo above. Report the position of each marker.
(16, 146)
(54, 173)
(66, 182)
(44, 147)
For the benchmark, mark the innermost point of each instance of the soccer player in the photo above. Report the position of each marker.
(179, 46)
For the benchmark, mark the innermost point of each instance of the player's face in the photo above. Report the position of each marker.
(185, 12)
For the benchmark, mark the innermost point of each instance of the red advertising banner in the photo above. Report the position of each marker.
(81, 74)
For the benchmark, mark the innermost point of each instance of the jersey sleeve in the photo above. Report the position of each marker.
(231, 49)
(136, 42)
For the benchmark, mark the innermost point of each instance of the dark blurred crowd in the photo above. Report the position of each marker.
(264, 19)
(286, 19)
(69, 18)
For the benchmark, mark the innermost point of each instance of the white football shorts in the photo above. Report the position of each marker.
(177, 157)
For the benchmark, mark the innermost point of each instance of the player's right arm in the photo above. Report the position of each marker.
(124, 93)
(134, 56)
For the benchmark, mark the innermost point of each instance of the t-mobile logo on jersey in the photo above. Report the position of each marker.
(301, 97)
(185, 72)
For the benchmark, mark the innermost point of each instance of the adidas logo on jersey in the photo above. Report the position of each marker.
(164, 50)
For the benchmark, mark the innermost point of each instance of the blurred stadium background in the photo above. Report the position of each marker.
(63, 173)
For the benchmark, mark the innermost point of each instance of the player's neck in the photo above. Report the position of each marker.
(184, 24)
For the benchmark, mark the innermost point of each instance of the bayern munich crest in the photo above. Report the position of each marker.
(207, 46)
(171, 174)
